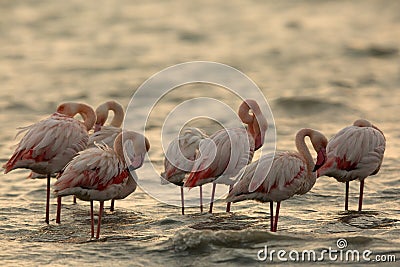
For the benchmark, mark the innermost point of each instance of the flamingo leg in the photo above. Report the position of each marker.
(346, 200)
(201, 198)
(74, 200)
(182, 201)
(228, 205)
(91, 218)
(278, 205)
(271, 211)
(360, 200)
(112, 205)
(58, 216)
(212, 197)
(48, 199)
(99, 222)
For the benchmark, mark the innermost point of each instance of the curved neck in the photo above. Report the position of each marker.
(118, 147)
(303, 149)
(88, 115)
(118, 113)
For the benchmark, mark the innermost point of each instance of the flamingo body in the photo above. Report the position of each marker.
(176, 167)
(102, 173)
(277, 177)
(234, 150)
(49, 144)
(355, 152)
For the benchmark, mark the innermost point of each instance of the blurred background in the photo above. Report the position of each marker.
(320, 64)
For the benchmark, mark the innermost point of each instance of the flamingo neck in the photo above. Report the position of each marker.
(88, 115)
(303, 149)
(118, 114)
(118, 147)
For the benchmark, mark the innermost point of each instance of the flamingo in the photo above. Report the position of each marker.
(291, 173)
(186, 144)
(102, 173)
(107, 134)
(355, 152)
(50, 144)
(234, 150)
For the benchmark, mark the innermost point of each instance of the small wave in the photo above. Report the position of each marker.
(307, 105)
(371, 50)
(205, 240)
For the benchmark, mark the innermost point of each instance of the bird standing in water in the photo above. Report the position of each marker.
(355, 152)
(102, 173)
(291, 173)
(234, 149)
(50, 144)
(179, 159)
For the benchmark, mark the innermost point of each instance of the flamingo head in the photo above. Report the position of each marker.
(101, 116)
(132, 147)
(68, 108)
(250, 113)
(319, 143)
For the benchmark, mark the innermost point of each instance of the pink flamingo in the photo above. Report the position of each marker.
(290, 173)
(50, 144)
(355, 152)
(234, 150)
(102, 173)
(175, 168)
(107, 134)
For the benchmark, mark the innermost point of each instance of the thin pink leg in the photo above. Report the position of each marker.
(228, 205)
(346, 199)
(278, 205)
(58, 216)
(112, 205)
(99, 222)
(91, 218)
(360, 200)
(182, 201)
(212, 197)
(48, 200)
(201, 198)
(271, 211)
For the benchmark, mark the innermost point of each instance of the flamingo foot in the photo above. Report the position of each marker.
(346, 200)
(201, 199)
(99, 222)
(278, 205)
(58, 216)
(360, 200)
(228, 205)
(182, 201)
(212, 197)
(47, 220)
(91, 218)
(112, 205)
(271, 211)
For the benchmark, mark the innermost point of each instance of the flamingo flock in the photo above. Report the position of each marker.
(97, 162)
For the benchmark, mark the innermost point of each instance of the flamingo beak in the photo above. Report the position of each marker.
(321, 159)
(136, 162)
(97, 127)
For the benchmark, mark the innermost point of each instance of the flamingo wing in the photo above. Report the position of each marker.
(94, 168)
(55, 139)
(106, 135)
(223, 155)
(284, 179)
(354, 152)
(185, 145)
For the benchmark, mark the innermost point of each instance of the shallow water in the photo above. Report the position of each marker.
(320, 64)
